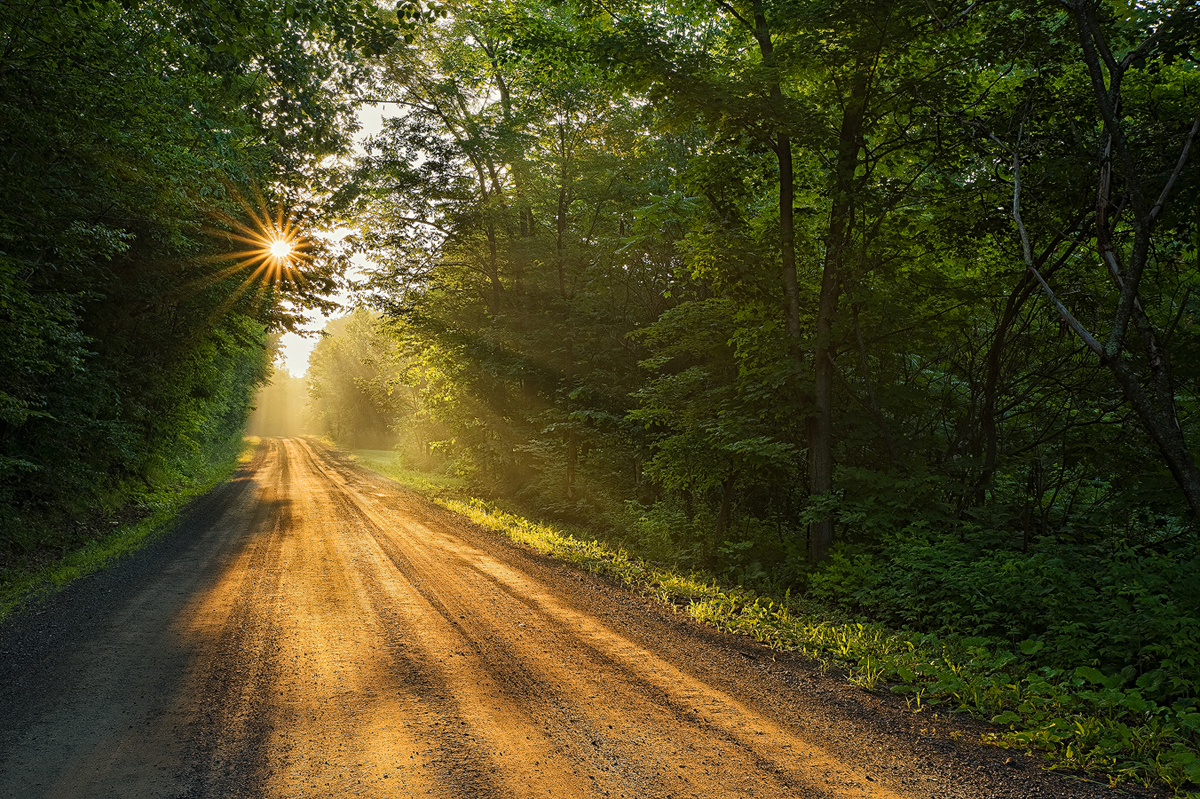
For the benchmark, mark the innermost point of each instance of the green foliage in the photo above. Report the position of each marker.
(585, 220)
(354, 395)
(391, 465)
(132, 135)
(707, 402)
(1128, 610)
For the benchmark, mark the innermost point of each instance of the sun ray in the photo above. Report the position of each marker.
(276, 256)
(238, 291)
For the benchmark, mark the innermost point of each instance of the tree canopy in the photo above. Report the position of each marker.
(145, 148)
(890, 303)
(725, 250)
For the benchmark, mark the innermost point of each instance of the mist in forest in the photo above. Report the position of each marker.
(356, 394)
(279, 407)
(352, 392)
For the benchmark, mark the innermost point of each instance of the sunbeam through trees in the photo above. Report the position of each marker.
(887, 304)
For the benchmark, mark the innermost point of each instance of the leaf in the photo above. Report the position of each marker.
(1191, 721)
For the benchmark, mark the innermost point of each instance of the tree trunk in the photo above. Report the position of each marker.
(841, 231)
(560, 256)
(726, 509)
(787, 195)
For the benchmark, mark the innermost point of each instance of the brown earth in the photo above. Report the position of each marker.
(311, 629)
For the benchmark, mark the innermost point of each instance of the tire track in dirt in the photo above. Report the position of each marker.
(572, 661)
(239, 665)
(467, 759)
(312, 630)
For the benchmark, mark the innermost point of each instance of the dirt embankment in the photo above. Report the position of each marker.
(312, 630)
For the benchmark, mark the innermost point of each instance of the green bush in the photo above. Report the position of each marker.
(1122, 610)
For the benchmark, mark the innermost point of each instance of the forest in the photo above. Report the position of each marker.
(150, 152)
(883, 304)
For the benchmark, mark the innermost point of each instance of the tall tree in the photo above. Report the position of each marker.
(129, 132)
(1138, 119)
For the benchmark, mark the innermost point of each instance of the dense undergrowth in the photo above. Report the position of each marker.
(65, 548)
(1093, 668)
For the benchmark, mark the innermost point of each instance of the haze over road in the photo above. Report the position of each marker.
(313, 630)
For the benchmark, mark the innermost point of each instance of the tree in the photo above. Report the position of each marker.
(353, 390)
(857, 89)
(1139, 101)
(511, 186)
(132, 135)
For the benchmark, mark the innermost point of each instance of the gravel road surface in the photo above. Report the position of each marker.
(312, 630)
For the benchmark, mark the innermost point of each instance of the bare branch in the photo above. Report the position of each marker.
(1183, 155)
(416, 221)
(1027, 251)
(729, 7)
(1141, 49)
(1115, 71)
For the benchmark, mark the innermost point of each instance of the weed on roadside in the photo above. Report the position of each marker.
(120, 533)
(1079, 720)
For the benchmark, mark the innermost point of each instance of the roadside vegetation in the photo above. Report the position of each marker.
(1076, 717)
(76, 548)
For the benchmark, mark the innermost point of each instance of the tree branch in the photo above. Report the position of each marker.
(1183, 155)
(1027, 251)
(729, 7)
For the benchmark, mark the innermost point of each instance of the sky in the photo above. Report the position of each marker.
(296, 348)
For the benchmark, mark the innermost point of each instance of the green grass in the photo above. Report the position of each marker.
(21, 585)
(1077, 719)
(384, 462)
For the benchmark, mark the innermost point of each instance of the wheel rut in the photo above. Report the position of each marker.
(312, 630)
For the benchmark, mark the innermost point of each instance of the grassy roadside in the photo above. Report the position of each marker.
(1079, 720)
(149, 516)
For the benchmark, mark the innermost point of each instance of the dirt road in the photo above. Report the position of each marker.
(313, 630)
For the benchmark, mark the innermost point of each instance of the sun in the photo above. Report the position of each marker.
(281, 249)
(274, 250)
